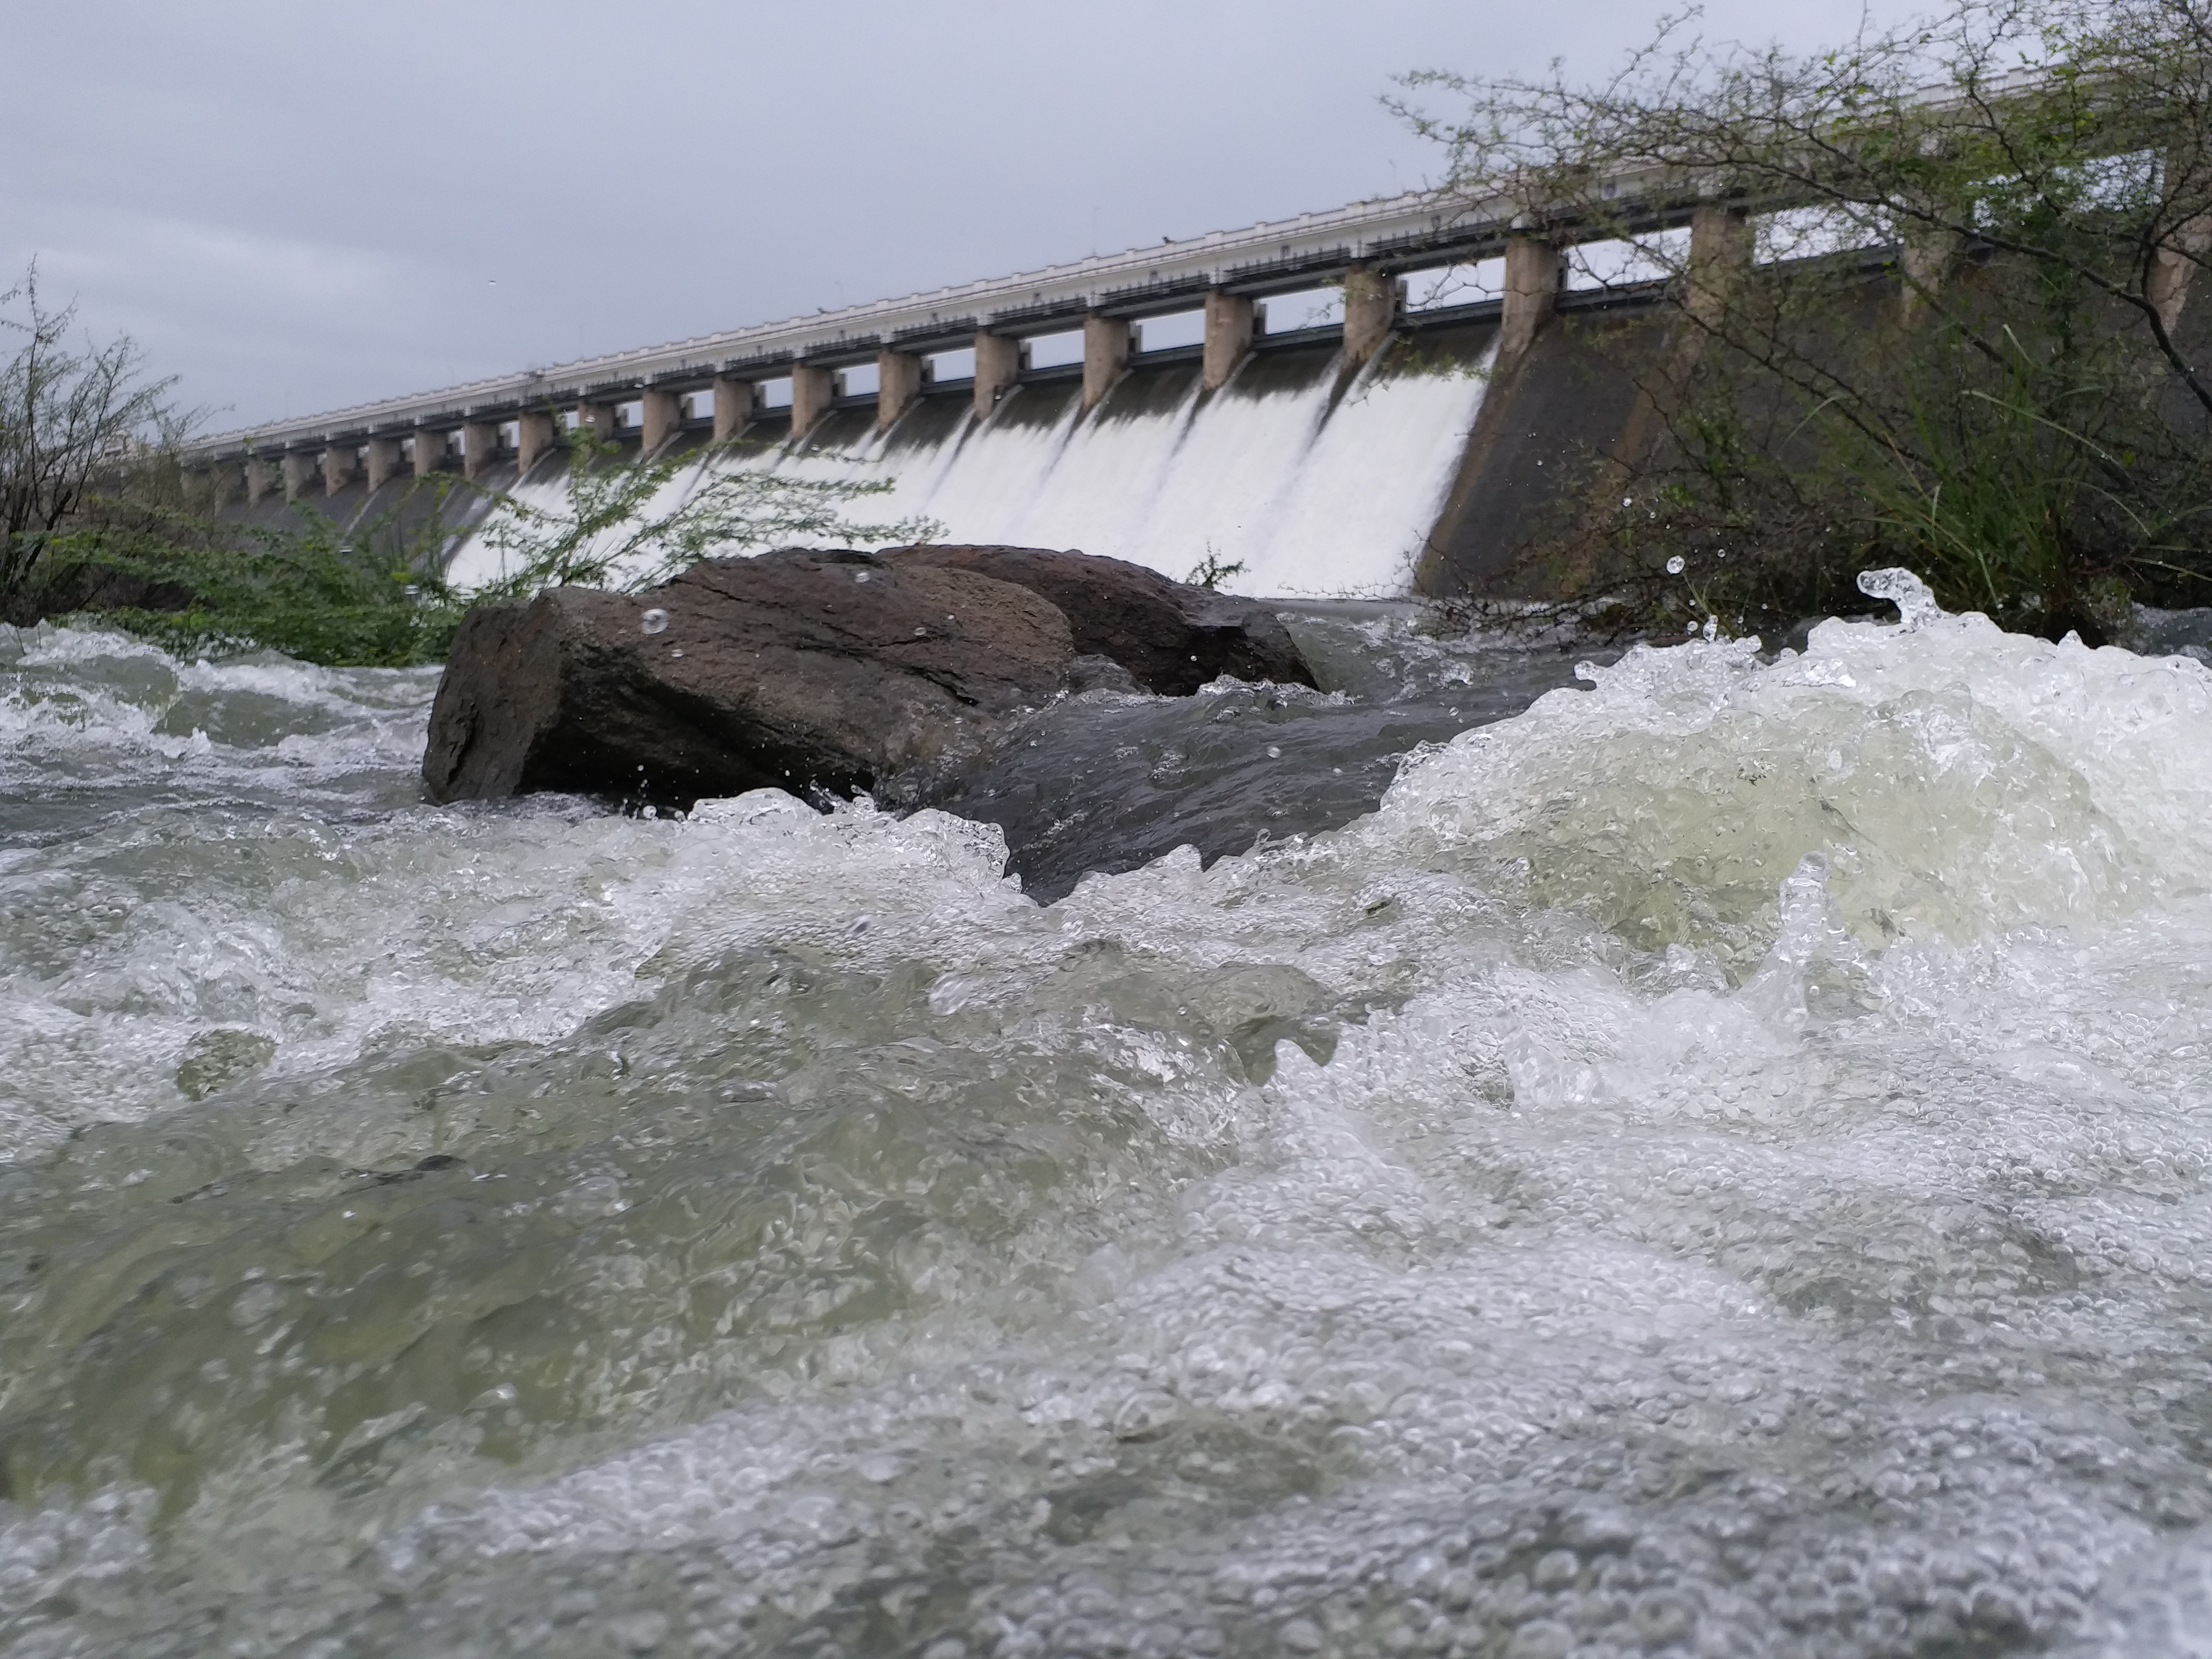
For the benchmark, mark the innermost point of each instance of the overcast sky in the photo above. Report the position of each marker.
(298, 206)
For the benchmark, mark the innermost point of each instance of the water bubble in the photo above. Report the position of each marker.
(1675, 565)
(654, 621)
(861, 576)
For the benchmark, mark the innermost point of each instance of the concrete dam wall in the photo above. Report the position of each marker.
(1316, 481)
(1404, 426)
(1427, 468)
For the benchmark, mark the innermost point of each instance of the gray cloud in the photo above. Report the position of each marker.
(296, 208)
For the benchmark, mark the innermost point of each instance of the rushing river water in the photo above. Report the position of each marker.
(1716, 1163)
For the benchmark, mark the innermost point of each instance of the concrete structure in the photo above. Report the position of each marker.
(1229, 321)
(1721, 252)
(534, 434)
(298, 467)
(1105, 356)
(736, 403)
(998, 367)
(898, 383)
(1371, 304)
(1390, 237)
(1534, 270)
(1366, 249)
(813, 389)
(479, 447)
(660, 414)
(383, 462)
(338, 462)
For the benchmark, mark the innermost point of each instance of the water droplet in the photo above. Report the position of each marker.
(1675, 565)
(861, 576)
(654, 621)
(1915, 604)
(1275, 751)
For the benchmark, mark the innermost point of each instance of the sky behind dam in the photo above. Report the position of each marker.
(297, 208)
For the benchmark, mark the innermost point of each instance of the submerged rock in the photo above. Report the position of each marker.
(806, 671)
(1172, 637)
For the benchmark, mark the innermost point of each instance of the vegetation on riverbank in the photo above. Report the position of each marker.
(1949, 326)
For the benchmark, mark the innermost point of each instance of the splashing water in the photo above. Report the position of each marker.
(1716, 1163)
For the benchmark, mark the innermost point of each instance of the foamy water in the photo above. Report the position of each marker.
(1313, 490)
(1715, 1164)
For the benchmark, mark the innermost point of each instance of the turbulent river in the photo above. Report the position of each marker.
(1715, 1163)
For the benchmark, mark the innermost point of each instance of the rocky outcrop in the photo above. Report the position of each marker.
(1171, 636)
(809, 672)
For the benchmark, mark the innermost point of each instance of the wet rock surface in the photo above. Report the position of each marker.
(818, 672)
(1171, 636)
(1106, 783)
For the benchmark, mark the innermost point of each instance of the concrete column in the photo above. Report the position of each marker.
(2175, 267)
(735, 402)
(1106, 354)
(338, 468)
(1532, 270)
(298, 469)
(813, 389)
(225, 484)
(1229, 324)
(1720, 253)
(429, 451)
(1370, 312)
(1923, 259)
(383, 463)
(998, 365)
(660, 417)
(598, 419)
(898, 383)
(534, 436)
(257, 479)
(479, 446)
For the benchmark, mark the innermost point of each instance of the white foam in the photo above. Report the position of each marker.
(1310, 492)
(1759, 1196)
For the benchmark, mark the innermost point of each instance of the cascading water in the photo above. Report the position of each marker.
(1715, 1163)
(1311, 487)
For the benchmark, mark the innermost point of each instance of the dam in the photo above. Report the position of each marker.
(1329, 406)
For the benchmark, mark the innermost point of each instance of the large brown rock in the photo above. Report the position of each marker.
(811, 671)
(1172, 637)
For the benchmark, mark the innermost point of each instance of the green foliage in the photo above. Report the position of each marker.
(369, 594)
(1960, 347)
(323, 592)
(1212, 571)
(66, 414)
(636, 525)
